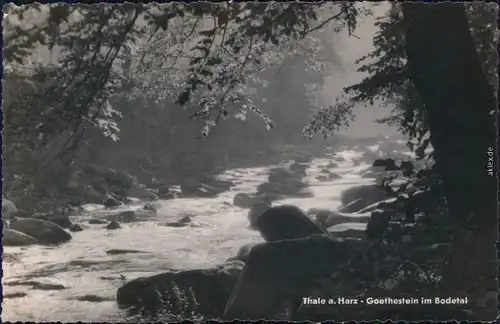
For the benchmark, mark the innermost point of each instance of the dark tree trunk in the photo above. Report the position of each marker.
(446, 71)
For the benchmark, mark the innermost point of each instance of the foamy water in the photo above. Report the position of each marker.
(83, 267)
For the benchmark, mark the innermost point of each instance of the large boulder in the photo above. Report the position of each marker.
(353, 206)
(368, 193)
(166, 292)
(286, 222)
(164, 192)
(243, 253)
(268, 188)
(61, 220)
(278, 175)
(257, 209)
(244, 200)
(284, 270)
(44, 231)
(8, 208)
(15, 238)
(93, 196)
(141, 192)
(320, 215)
(111, 202)
(190, 187)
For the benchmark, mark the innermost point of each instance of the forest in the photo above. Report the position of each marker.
(175, 94)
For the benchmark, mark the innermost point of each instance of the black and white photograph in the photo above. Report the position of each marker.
(279, 161)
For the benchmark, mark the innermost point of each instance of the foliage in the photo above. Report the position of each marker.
(388, 80)
(211, 49)
(110, 58)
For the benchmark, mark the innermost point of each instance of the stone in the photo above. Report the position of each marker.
(9, 209)
(281, 270)
(243, 200)
(15, 238)
(43, 231)
(210, 288)
(257, 209)
(368, 193)
(75, 228)
(286, 222)
(111, 202)
(113, 225)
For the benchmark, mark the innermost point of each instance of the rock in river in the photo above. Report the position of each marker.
(8, 208)
(368, 193)
(45, 232)
(209, 288)
(113, 225)
(283, 270)
(286, 222)
(15, 238)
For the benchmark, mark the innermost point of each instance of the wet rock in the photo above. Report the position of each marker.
(127, 216)
(286, 222)
(337, 217)
(368, 193)
(168, 196)
(279, 175)
(339, 158)
(298, 167)
(334, 176)
(97, 221)
(389, 164)
(37, 285)
(120, 251)
(141, 192)
(10, 257)
(151, 207)
(354, 206)
(378, 224)
(9, 209)
(60, 220)
(43, 231)
(91, 195)
(15, 295)
(183, 222)
(243, 253)
(15, 238)
(75, 228)
(332, 165)
(110, 176)
(268, 188)
(190, 187)
(276, 271)
(93, 298)
(257, 209)
(163, 191)
(320, 215)
(111, 202)
(303, 159)
(113, 225)
(243, 200)
(292, 186)
(131, 200)
(209, 288)
(346, 233)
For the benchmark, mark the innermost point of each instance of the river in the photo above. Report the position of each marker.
(82, 266)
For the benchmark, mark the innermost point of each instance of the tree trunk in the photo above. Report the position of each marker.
(446, 71)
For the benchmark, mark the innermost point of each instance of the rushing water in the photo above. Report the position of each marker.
(83, 267)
